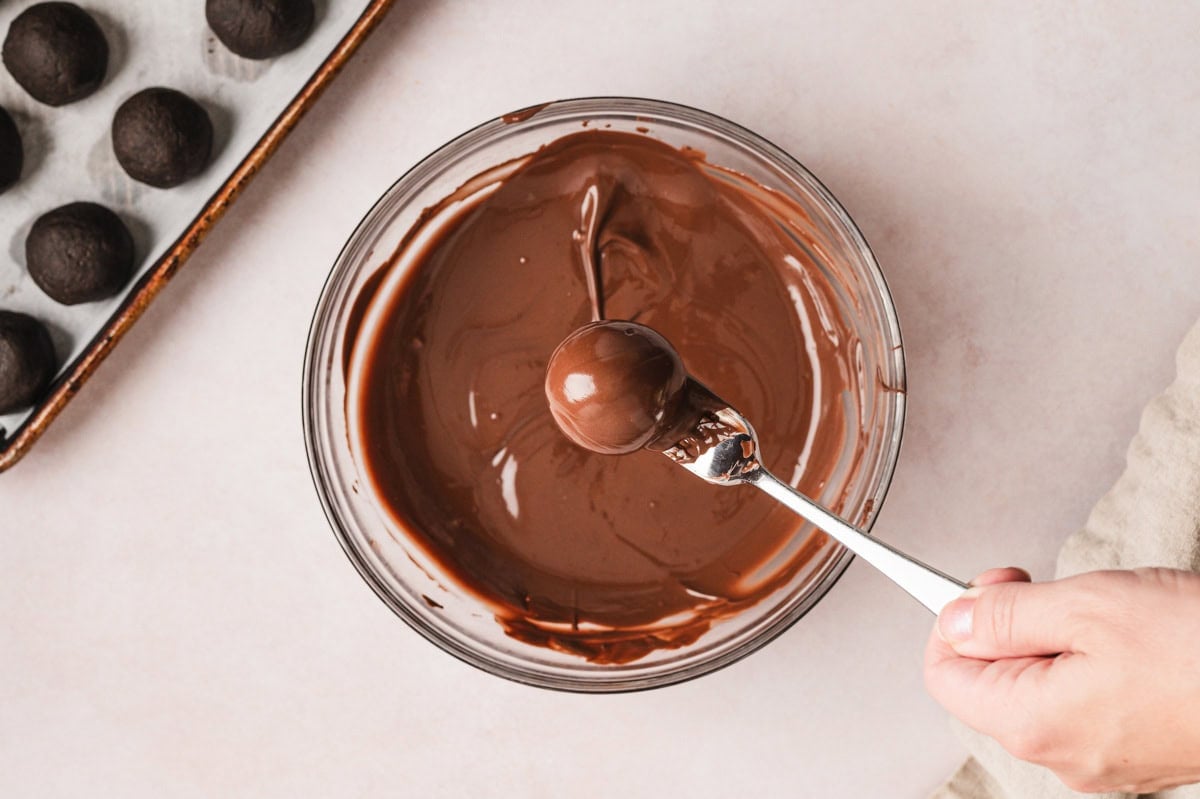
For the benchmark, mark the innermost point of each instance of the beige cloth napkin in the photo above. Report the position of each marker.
(1150, 517)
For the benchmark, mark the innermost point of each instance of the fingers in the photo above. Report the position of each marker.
(993, 697)
(1009, 574)
(998, 698)
(1003, 618)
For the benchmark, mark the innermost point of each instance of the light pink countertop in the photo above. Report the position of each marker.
(176, 618)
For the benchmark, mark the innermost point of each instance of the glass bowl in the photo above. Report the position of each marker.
(457, 622)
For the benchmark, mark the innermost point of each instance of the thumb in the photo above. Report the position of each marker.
(1007, 620)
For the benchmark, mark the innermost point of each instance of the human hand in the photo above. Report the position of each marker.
(1096, 677)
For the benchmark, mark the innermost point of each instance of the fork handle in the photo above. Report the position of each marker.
(927, 585)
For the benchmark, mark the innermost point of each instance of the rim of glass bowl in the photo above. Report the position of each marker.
(397, 197)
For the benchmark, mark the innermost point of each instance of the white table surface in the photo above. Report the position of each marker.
(176, 618)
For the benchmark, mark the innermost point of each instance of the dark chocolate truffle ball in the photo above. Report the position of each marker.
(27, 362)
(260, 28)
(162, 137)
(80, 252)
(57, 52)
(612, 386)
(12, 154)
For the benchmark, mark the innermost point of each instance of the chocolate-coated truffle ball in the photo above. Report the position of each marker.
(612, 386)
(27, 362)
(162, 137)
(260, 28)
(80, 252)
(57, 52)
(12, 154)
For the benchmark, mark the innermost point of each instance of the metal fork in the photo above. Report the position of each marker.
(723, 449)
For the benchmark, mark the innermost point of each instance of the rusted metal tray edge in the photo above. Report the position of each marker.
(67, 385)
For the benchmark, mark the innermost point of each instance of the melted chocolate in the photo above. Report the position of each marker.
(610, 558)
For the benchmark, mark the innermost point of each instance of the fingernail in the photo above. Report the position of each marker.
(954, 622)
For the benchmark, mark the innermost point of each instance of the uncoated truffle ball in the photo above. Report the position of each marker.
(57, 52)
(162, 137)
(12, 154)
(260, 28)
(80, 252)
(27, 361)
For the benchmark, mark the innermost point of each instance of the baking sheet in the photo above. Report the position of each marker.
(68, 157)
